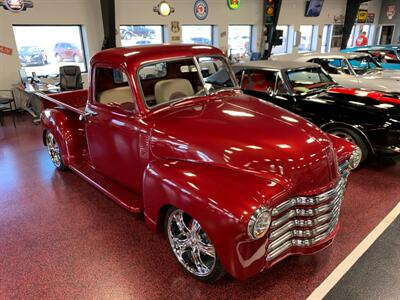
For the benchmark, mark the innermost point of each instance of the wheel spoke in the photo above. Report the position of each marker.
(198, 262)
(181, 223)
(195, 228)
(181, 245)
(207, 249)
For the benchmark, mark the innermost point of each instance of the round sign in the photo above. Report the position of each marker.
(15, 5)
(233, 4)
(201, 9)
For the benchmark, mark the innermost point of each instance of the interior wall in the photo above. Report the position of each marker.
(48, 12)
(140, 12)
(292, 14)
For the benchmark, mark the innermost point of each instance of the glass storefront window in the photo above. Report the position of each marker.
(306, 38)
(132, 35)
(285, 38)
(44, 49)
(239, 40)
(197, 34)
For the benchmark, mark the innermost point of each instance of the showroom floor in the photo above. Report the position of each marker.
(61, 238)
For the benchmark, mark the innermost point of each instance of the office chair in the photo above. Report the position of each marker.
(6, 100)
(70, 78)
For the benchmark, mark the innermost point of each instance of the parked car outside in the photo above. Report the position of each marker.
(235, 183)
(32, 56)
(67, 51)
(370, 120)
(128, 32)
(388, 56)
(200, 40)
(356, 70)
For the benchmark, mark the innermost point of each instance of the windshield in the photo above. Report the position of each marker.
(308, 80)
(173, 80)
(363, 65)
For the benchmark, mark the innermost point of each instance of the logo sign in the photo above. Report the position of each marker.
(15, 5)
(175, 28)
(5, 50)
(362, 16)
(233, 4)
(201, 9)
(391, 11)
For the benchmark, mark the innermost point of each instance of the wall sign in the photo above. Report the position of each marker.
(163, 9)
(16, 5)
(362, 16)
(233, 4)
(201, 9)
(391, 11)
(175, 28)
(5, 50)
(371, 18)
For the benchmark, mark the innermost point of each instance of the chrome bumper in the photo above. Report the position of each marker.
(305, 221)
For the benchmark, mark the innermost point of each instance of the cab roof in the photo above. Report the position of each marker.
(138, 55)
(275, 64)
(333, 55)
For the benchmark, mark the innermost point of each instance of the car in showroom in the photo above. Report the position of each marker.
(32, 56)
(67, 51)
(368, 119)
(388, 56)
(356, 70)
(236, 183)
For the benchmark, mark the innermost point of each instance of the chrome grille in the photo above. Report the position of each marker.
(305, 221)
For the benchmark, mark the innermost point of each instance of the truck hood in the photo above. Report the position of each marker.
(244, 133)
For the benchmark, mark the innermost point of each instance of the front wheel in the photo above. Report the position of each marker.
(353, 137)
(192, 247)
(54, 152)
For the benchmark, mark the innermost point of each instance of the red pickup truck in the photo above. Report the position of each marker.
(237, 184)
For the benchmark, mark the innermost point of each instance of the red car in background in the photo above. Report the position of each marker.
(67, 51)
(237, 184)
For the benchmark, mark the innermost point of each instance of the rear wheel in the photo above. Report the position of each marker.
(54, 151)
(191, 246)
(353, 137)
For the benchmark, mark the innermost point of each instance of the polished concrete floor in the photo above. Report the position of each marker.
(62, 239)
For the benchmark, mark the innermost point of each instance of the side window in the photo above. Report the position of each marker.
(112, 88)
(332, 66)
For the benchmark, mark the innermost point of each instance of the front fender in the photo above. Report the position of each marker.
(221, 199)
(69, 137)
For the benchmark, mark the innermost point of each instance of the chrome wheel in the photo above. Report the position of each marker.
(344, 135)
(190, 244)
(53, 149)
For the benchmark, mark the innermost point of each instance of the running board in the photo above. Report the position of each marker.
(121, 195)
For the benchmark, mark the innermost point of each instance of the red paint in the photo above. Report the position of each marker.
(217, 157)
(5, 50)
(378, 96)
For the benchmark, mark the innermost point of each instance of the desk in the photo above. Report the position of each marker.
(33, 104)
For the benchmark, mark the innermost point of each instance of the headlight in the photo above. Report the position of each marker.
(355, 158)
(259, 223)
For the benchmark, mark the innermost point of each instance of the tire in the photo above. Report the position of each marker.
(59, 58)
(54, 152)
(195, 252)
(353, 137)
(76, 58)
(128, 36)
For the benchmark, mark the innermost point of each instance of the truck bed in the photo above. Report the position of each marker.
(71, 100)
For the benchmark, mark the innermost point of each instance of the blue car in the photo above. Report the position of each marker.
(388, 56)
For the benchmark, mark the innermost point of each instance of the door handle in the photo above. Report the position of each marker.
(86, 114)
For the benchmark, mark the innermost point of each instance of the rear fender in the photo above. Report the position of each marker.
(221, 199)
(67, 131)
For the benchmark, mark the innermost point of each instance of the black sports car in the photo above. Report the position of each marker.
(367, 118)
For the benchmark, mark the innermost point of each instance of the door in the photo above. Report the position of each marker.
(112, 128)
(68, 51)
(386, 34)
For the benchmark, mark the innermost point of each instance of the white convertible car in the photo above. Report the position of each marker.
(356, 70)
